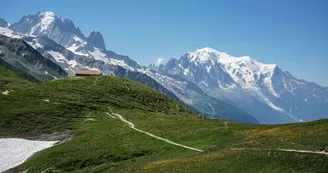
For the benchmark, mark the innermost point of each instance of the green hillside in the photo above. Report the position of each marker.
(11, 81)
(101, 143)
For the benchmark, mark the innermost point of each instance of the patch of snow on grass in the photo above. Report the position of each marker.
(14, 151)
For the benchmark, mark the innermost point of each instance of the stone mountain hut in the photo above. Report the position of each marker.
(85, 73)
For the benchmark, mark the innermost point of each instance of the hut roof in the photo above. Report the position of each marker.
(87, 72)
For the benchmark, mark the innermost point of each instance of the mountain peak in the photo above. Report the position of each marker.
(96, 39)
(3, 23)
(48, 24)
(207, 49)
(52, 16)
(205, 54)
(48, 14)
(47, 18)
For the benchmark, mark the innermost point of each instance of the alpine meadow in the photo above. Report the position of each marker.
(69, 103)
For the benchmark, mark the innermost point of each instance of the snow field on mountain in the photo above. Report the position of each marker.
(14, 151)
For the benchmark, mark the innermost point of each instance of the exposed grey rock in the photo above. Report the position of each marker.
(19, 56)
(3, 23)
(61, 30)
(96, 40)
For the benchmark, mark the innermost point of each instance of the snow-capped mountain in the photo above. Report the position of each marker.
(48, 24)
(193, 96)
(71, 50)
(268, 93)
(213, 83)
(68, 60)
(20, 57)
(63, 32)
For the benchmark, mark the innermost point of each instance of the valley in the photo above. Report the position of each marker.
(102, 143)
(209, 81)
(205, 111)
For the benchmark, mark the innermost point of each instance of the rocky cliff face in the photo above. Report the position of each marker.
(96, 40)
(3, 23)
(19, 56)
(61, 30)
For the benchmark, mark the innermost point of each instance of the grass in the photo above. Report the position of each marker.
(104, 144)
(239, 161)
(310, 136)
(68, 100)
(11, 80)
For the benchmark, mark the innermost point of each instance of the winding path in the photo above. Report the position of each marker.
(226, 125)
(286, 150)
(132, 126)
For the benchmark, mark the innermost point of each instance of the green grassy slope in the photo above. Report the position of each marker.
(11, 80)
(229, 161)
(70, 98)
(104, 144)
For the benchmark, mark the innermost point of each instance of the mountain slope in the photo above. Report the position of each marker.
(96, 39)
(69, 61)
(10, 80)
(48, 24)
(102, 143)
(91, 53)
(19, 56)
(212, 82)
(264, 90)
(195, 97)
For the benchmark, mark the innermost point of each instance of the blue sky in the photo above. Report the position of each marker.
(290, 33)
